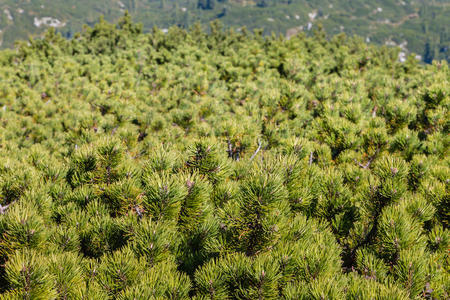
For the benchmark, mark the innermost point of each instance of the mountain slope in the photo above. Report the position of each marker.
(417, 26)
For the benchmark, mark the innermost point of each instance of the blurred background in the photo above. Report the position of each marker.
(419, 27)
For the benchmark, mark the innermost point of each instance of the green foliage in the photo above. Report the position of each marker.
(154, 241)
(118, 271)
(68, 275)
(21, 228)
(27, 275)
(221, 165)
(416, 26)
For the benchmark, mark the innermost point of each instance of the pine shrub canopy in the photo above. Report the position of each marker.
(221, 165)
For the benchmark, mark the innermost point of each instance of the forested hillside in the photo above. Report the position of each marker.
(416, 26)
(221, 165)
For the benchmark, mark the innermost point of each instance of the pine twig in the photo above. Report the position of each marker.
(3, 208)
(232, 153)
(374, 111)
(369, 162)
(360, 164)
(311, 158)
(138, 211)
(230, 148)
(257, 150)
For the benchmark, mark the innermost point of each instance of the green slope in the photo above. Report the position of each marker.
(418, 26)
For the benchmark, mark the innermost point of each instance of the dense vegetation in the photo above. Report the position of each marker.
(417, 26)
(221, 165)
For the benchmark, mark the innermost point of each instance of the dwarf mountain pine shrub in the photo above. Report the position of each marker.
(221, 165)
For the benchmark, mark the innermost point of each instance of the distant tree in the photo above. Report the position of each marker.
(428, 52)
(262, 3)
(223, 13)
(206, 4)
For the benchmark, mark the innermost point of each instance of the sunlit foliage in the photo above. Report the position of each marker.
(221, 165)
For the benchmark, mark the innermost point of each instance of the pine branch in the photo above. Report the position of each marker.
(230, 150)
(374, 111)
(369, 162)
(138, 211)
(367, 239)
(3, 208)
(257, 150)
